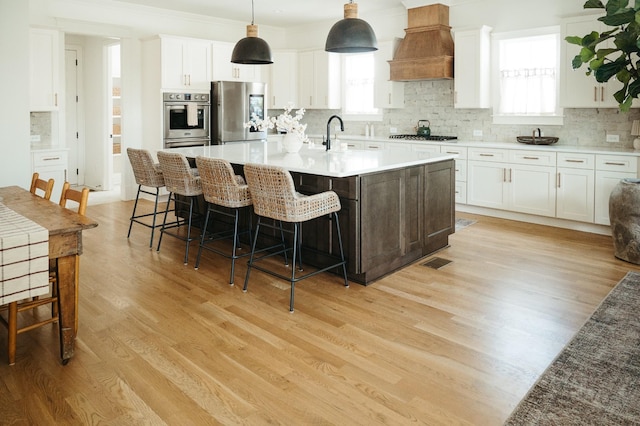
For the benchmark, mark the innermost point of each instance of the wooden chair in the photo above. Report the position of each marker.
(15, 308)
(79, 197)
(275, 197)
(39, 184)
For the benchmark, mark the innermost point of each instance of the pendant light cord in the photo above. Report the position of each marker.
(251, 12)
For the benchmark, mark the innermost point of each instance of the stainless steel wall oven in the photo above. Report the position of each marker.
(186, 119)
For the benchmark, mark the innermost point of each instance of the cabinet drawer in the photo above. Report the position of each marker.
(374, 145)
(488, 154)
(461, 170)
(618, 163)
(430, 149)
(461, 152)
(539, 158)
(576, 161)
(50, 158)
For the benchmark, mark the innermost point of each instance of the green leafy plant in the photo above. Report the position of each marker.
(619, 60)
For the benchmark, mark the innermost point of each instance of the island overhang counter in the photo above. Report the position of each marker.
(397, 206)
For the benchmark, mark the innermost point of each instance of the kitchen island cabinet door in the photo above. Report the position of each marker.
(384, 241)
(439, 205)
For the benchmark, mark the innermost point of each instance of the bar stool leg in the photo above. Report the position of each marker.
(133, 215)
(186, 251)
(253, 251)
(235, 246)
(202, 237)
(344, 263)
(164, 221)
(296, 245)
(155, 213)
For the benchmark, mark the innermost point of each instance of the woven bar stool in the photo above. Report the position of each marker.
(180, 179)
(274, 196)
(148, 175)
(222, 187)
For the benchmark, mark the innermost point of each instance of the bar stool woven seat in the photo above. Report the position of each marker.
(222, 187)
(147, 174)
(275, 197)
(180, 179)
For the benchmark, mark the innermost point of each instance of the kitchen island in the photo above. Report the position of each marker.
(397, 206)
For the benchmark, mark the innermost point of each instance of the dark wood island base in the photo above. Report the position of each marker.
(388, 220)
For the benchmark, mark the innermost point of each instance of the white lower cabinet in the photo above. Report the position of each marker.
(520, 181)
(575, 192)
(610, 169)
(51, 164)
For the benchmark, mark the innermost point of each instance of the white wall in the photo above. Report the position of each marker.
(96, 137)
(15, 160)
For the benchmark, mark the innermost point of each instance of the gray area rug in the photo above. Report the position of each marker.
(596, 379)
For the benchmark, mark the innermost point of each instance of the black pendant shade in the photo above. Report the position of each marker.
(252, 49)
(351, 34)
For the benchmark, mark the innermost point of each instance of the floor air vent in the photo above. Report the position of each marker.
(436, 262)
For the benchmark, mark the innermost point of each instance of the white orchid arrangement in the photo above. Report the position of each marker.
(285, 123)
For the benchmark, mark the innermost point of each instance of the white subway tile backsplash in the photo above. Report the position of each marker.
(433, 101)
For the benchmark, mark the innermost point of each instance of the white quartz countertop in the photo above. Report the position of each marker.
(612, 149)
(315, 161)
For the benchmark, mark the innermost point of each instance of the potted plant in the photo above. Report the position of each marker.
(619, 60)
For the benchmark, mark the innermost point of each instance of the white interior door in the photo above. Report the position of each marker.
(74, 137)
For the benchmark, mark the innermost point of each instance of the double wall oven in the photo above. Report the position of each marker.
(186, 119)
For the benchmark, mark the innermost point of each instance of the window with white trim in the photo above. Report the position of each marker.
(358, 72)
(526, 77)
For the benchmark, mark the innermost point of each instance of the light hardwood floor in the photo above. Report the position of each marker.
(161, 343)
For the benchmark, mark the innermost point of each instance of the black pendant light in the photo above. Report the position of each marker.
(351, 35)
(252, 49)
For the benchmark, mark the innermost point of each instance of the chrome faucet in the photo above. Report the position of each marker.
(329, 129)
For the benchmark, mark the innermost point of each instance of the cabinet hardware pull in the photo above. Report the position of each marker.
(609, 163)
(531, 158)
(558, 184)
(574, 161)
(452, 152)
(595, 94)
(50, 158)
(510, 175)
(389, 98)
(486, 155)
(602, 93)
(55, 102)
(504, 175)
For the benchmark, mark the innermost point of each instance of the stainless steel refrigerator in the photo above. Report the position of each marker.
(234, 103)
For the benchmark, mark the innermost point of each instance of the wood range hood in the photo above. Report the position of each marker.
(426, 52)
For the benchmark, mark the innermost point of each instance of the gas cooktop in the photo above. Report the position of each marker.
(424, 138)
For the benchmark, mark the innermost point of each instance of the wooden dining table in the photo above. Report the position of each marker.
(65, 228)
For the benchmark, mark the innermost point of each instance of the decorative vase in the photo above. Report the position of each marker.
(291, 142)
(624, 208)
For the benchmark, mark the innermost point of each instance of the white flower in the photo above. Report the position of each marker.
(285, 122)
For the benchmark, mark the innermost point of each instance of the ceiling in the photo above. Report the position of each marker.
(278, 13)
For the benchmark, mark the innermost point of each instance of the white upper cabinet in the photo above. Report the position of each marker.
(387, 94)
(578, 90)
(225, 70)
(186, 63)
(319, 79)
(283, 83)
(472, 68)
(44, 70)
